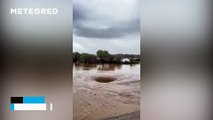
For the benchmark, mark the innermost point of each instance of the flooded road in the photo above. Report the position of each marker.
(105, 91)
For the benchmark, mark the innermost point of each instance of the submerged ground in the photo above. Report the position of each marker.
(106, 92)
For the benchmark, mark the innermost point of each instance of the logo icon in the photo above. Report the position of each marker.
(28, 103)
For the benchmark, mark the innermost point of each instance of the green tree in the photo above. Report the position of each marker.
(76, 57)
(104, 56)
(87, 58)
(117, 60)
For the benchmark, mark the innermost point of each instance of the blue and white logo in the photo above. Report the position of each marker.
(28, 103)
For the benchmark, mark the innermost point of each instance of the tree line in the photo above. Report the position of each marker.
(103, 56)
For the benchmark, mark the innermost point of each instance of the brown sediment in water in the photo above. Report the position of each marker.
(106, 95)
(128, 116)
(104, 79)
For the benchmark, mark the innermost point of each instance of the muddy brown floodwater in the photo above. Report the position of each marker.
(106, 91)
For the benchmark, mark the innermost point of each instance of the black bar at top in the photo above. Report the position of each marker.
(16, 100)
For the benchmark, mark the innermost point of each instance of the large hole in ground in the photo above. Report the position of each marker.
(104, 79)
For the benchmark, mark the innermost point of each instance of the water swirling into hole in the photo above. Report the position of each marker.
(104, 79)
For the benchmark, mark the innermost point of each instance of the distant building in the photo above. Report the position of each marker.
(125, 60)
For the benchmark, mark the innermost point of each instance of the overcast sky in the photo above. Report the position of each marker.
(113, 25)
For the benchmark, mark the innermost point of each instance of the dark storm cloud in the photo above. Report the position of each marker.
(118, 30)
(85, 23)
(112, 25)
(79, 13)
